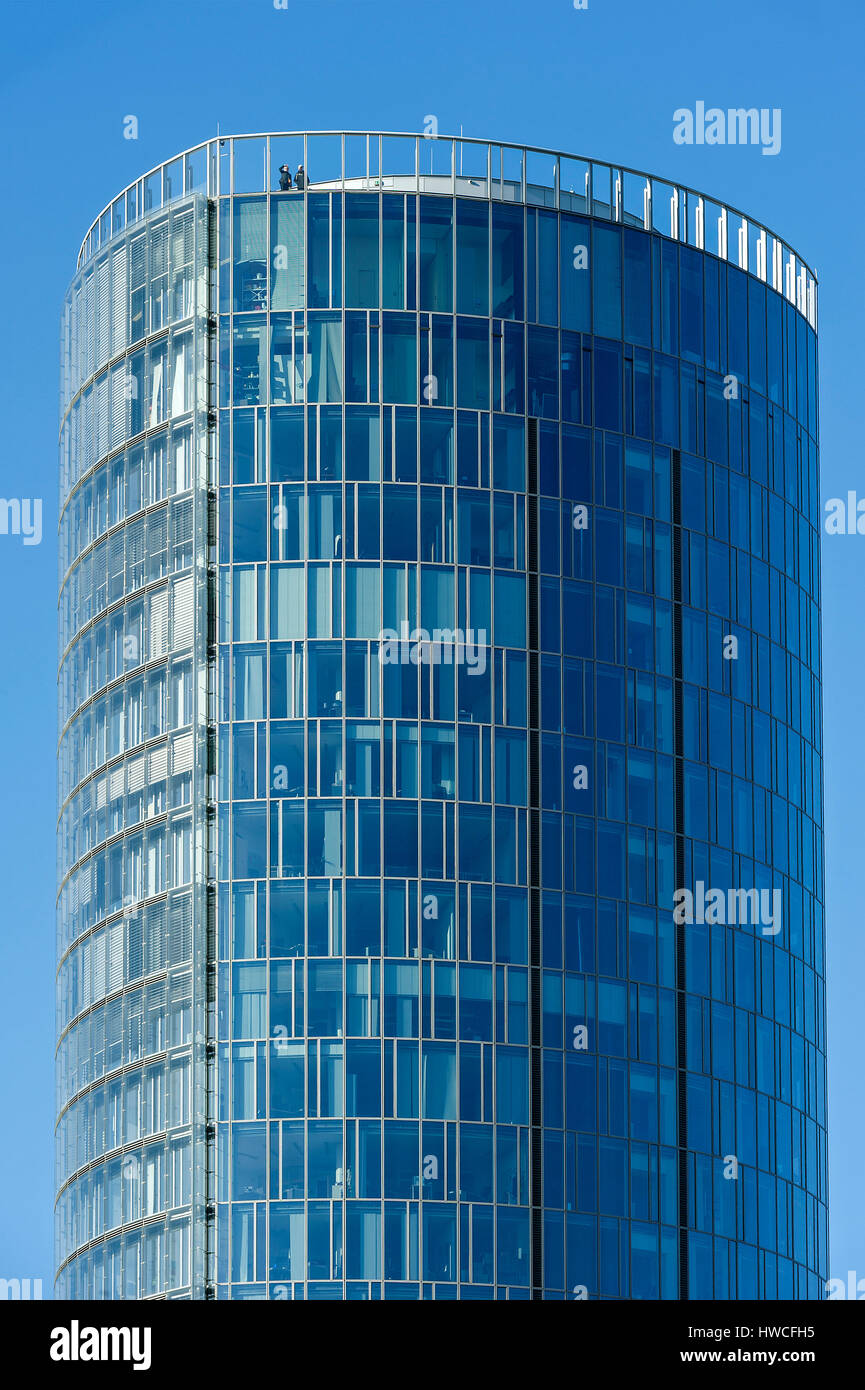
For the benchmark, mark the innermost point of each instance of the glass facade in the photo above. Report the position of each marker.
(132, 828)
(440, 578)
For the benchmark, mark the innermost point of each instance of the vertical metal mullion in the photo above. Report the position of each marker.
(534, 874)
(680, 970)
(206, 641)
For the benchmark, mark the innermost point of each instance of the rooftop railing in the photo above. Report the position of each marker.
(469, 168)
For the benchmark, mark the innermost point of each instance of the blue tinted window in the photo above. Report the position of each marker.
(473, 232)
(607, 281)
(575, 274)
(435, 263)
(507, 268)
(361, 251)
(638, 288)
(399, 357)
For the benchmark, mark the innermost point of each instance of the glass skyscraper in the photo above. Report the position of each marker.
(439, 612)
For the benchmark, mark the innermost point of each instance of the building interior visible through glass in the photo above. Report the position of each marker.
(369, 984)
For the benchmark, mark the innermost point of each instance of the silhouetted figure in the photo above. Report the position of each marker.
(284, 177)
(300, 177)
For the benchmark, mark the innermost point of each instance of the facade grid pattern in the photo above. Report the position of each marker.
(458, 1047)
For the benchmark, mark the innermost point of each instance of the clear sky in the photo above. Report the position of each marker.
(602, 81)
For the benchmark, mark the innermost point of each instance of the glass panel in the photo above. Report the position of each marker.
(250, 362)
(318, 249)
(712, 220)
(473, 364)
(356, 155)
(472, 258)
(607, 271)
(435, 155)
(286, 253)
(513, 172)
(250, 254)
(398, 156)
(361, 251)
(471, 166)
(195, 171)
(634, 200)
(507, 244)
(393, 251)
(602, 190)
(153, 191)
(173, 179)
(249, 166)
(541, 178)
(436, 254)
(399, 358)
(662, 194)
(325, 351)
(324, 158)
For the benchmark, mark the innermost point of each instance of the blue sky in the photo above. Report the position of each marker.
(603, 82)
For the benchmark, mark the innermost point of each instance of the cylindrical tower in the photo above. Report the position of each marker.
(440, 781)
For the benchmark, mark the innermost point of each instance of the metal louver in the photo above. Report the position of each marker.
(119, 298)
(184, 613)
